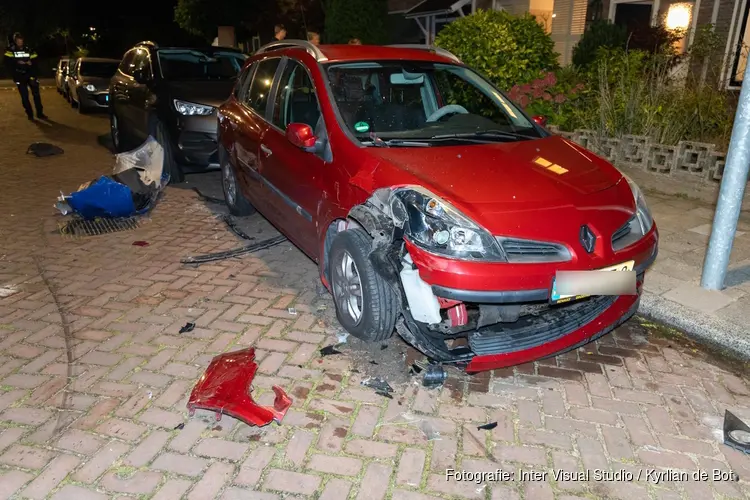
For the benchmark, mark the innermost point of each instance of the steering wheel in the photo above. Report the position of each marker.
(451, 109)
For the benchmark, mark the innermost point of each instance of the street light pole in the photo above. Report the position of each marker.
(732, 191)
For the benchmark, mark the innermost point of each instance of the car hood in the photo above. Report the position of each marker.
(210, 93)
(548, 178)
(542, 170)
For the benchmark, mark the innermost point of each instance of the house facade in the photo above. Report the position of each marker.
(566, 21)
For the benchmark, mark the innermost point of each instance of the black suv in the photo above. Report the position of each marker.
(172, 94)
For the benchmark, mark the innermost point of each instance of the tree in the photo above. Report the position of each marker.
(363, 19)
(203, 17)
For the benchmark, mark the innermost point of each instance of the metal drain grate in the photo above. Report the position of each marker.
(79, 227)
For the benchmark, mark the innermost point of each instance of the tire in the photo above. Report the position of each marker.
(349, 264)
(176, 175)
(237, 203)
(116, 132)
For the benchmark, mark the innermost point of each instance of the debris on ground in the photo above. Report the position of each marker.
(378, 384)
(210, 199)
(44, 149)
(231, 223)
(292, 311)
(434, 376)
(328, 350)
(342, 337)
(189, 327)
(225, 388)
(179, 426)
(132, 189)
(140, 243)
(255, 247)
(415, 369)
(384, 394)
(736, 433)
(487, 427)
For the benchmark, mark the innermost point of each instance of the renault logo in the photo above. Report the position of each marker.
(588, 239)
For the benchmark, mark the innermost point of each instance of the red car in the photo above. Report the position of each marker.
(432, 204)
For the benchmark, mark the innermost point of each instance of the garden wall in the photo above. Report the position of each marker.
(688, 168)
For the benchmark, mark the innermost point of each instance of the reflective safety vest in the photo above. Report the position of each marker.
(13, 55)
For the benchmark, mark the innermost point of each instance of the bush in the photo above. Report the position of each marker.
(560, 97)
(601, 34)
(363, 19)
(509, 50)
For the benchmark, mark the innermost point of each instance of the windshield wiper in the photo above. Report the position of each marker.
(484, 134)
(397, 143)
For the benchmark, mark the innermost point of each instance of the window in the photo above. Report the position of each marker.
(257, 97)
(240, 89)
(423, 101)
(98, 69)
(741, 51)
(126, 65)
(190, 64)
(296, 101)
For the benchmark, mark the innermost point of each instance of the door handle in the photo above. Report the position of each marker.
(266, 150)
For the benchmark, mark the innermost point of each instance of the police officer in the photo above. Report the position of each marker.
(21, 62)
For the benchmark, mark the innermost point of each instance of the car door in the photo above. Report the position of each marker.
(252, 125)
(141, 97)
(293, 175)
(120, 90)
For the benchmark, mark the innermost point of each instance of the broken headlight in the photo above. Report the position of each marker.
(439, 228)
(642, 213)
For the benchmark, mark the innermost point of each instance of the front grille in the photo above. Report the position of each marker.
(520, 251)
(532, 331)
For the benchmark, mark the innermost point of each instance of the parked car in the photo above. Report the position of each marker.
(430, 201)
(89, 83)
(67, 78)
(60, 73)
(172, 94)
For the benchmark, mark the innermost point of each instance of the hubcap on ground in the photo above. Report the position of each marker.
(230, 185)
(347, 287)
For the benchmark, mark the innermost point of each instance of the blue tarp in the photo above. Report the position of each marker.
(103, 198)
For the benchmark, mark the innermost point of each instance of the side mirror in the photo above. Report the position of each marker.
(540, 120)
(302, 136)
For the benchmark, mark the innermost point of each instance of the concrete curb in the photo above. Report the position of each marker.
(711, 330)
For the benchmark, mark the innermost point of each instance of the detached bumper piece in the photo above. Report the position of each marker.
(736, 433)
(225, 389)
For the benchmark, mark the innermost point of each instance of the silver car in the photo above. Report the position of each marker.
(88, 83)
(61, 73)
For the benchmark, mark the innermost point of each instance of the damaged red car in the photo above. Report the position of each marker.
(432, 204)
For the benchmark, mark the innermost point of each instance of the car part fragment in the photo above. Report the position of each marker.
(255, 247)
(434, 376)
(225, 389)
(736, 433)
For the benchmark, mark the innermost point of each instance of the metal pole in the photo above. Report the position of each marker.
(732, 190)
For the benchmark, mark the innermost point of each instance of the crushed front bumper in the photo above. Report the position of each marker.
(551, 331)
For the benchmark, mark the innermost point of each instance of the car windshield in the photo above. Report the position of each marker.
(98, 69)
(198, 65)
(434, 103)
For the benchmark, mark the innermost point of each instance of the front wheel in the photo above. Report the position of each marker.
(176, 175)
(366, 305)
(236, 201)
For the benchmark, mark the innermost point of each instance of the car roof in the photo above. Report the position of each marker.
(99, 59)
(201, 49)
(354, 53)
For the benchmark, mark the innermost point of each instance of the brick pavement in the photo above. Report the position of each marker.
(94, 375)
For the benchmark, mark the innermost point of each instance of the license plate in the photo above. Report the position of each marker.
(556, 298)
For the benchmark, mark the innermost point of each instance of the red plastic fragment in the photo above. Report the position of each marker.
(140, 243)
(225, 389)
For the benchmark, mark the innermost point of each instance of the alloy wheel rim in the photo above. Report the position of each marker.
(230, 185)
(347, 287)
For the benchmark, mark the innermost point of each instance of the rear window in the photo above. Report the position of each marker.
(98, 69)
